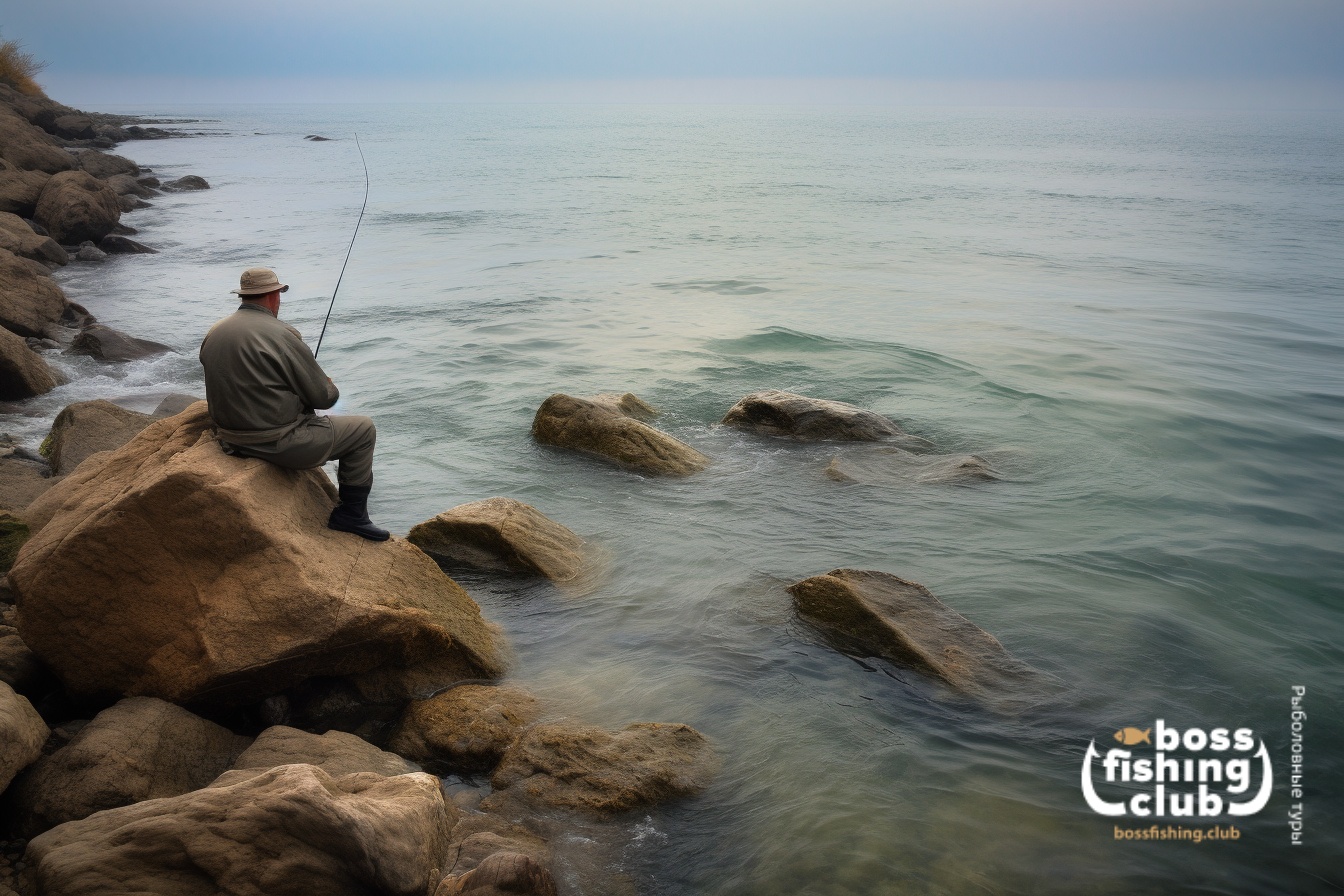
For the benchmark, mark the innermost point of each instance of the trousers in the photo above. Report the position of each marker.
(348, 440)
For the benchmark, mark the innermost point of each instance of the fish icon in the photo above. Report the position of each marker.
(1131, 736)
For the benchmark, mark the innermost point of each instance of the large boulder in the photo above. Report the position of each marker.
(336, 753)
(879, 614)
(591, 428)
(104, 165)
(87, 427)
(775, 413)
(291, 831)
(22, 240)
(897, 467)
(168, 568)
(501, 534)
(22, 734)
(587, 768)
(20, 189)
(466, 728)
(107, 344)
(74, 126)
(23, 372)
(140, 749)
(30, 301)
(76, 206)
(29, 149)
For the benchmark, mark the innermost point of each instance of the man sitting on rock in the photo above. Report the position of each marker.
(263, 384)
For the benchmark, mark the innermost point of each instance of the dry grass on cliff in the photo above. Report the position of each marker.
(17, 68)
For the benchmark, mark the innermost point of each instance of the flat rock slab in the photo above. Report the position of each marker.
(87, 427)
(592, 428)
(588, 768)
(775, 413)
(466, 728)
(290, 830)
(896, 467)
(878, 614)
(501, 534)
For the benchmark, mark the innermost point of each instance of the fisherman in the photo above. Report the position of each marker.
(262, 385)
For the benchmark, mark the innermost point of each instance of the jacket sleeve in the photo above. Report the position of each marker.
(310, 381)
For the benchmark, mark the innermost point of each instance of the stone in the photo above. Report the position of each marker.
(19, 667)
(128, 185)
(20, 190)
(107, 344)
(463, 729)
(775, 413)
(76, 206)
(567, 766)
(501, 873)
(22, 734)
(74, 127)
(19, 238)
(175, 403)
(336, 753)
(30, 301)
(584, 426)
(113, 244)
(22, 481)
(23, 372)
(138, 749)
(501, 534)
(104, 165)
(13, 533)
(896, 467)
(28, 148)
(184, 184)
(128, 203)
(627, 405)
(291, 831)
(878, 614)
(90, 252)
(87, 427)
(168, 568)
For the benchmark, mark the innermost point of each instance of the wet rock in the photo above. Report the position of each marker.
(627, 405)
(185, 184)
(75, 206)
(293, 829)
(895, 467)
(129, 203)
(22, 734)
(777, 413)
(23, 372)
(30, 301)
(104, 165)
(466, 728)
(501, 534)
(581, 767)
(113, 244)
(139, 749)
(588, 427)
(19, 238)
(335, 752)
(149, 181)
(87, 427)
(502, 872)
(171, 569)
(107, 344)
(878, 614)
(90, 252)
(316, 138)
(20, 190)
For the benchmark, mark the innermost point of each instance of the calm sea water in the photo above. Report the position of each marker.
(1136, 317)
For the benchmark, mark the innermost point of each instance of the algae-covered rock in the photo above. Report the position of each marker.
(13, 533)
(586, 426)
(466, 728)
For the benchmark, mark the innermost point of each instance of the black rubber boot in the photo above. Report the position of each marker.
(352, 514)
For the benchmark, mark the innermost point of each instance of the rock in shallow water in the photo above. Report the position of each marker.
(591, 428)
(107, 344)
(466, 728)
(23, 372)
(894, 467)
(776, 413)
(501, 534)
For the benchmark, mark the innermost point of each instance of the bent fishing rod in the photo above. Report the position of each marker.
(347, 251)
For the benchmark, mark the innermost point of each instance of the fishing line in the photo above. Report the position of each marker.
(347, 251)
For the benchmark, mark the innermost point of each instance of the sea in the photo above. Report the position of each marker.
(1135, 317)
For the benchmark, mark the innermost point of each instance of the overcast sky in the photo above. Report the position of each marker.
(1260, 52)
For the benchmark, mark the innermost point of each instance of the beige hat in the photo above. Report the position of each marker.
(259, 282)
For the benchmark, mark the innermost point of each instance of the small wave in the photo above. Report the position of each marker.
(720, 287)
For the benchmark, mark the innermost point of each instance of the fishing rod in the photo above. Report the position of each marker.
(347, 251)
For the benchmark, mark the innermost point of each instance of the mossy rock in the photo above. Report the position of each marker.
(13, 533)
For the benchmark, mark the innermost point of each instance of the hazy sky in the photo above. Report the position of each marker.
(1261, 51)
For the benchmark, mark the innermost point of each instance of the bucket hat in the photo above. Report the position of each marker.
(259, 282)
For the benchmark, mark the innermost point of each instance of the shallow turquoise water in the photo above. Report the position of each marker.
(1135, 317)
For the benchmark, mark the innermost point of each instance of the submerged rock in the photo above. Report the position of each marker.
(168, 568)
(185, 184)
(466, 728)
(586, 426)
(895, 467)
(290, 830)
(87, 427)
(113, 244)
(775, 413)
(140, 749)
(583, 767)
(878, 614)
(107, 344)
(501, 534)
